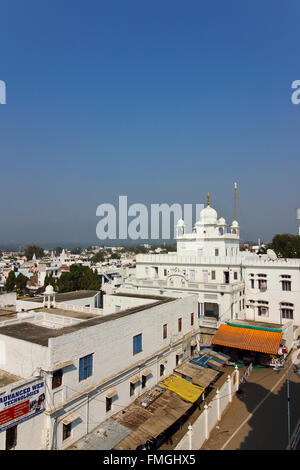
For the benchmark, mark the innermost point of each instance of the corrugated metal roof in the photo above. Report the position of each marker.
(248, 338)
(202, 377)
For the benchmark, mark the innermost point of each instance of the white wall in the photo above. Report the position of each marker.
(21, 358)
(114, 363)
(112, 302)
(7, 299)
(111, 344)
(274, 293)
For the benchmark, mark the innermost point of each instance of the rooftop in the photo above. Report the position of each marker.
(7, 315)
(66, 313)
(65, 297)
(6, 378)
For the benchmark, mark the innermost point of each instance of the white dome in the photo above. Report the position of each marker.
(235, 223)
(208, 216)
(221, 221)
(49, 290)
(180, 223)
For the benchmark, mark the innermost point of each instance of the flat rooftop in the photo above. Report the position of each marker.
(7, 315)
(66, 313)
(6, 378)
(139, 296)
(64, 297)
(40, 335)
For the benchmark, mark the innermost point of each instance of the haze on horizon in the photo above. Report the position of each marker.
(159, 101)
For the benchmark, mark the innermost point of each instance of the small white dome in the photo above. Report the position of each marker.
(221, 221)
(235, 224)
(49, 290)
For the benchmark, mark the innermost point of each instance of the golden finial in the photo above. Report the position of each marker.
(208, 201)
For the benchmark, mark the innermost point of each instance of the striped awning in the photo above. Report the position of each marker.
(252, 339)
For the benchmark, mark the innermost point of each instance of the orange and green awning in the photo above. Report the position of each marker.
(252, 339)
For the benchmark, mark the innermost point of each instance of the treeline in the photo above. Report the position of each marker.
(78, 278)
(285, 245)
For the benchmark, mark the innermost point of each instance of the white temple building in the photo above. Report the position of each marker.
(230, 284)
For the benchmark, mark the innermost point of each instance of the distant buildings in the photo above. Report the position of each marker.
(69, 362)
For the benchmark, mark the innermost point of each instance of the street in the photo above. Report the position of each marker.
(257, 419)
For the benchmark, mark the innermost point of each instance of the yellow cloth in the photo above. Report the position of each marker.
(183, 388)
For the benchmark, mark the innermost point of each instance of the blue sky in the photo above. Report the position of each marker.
(161, 101)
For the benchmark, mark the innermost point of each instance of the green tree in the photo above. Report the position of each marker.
(58, 250)
(139, 249)
(10, 281)
(21, 282)
(33, 249)
(170, 248)
(76, 251)
(115, 256)
(78, 278)
(285, 245)
(49, 279)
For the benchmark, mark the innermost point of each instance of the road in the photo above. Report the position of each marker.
(257, 419)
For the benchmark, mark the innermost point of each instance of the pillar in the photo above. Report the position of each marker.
(218, 404)
(237, 378)
(206, 421)
(229, 387)
(190, 434)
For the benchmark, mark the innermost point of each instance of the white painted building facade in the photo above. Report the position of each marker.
(208, 263)
(93, 368)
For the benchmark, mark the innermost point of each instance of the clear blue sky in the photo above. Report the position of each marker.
(161, 101)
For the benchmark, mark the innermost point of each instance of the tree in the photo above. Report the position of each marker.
(33, 249)
(170, 248)
(78, 278)
(49, 279)
(10, 281)
(76, 251)
(21, 282)
(285, 245)
(98, 257)
(115, 256)
(58, 250)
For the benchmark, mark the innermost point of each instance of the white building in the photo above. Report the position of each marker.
(230, 284)
(85, 300)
